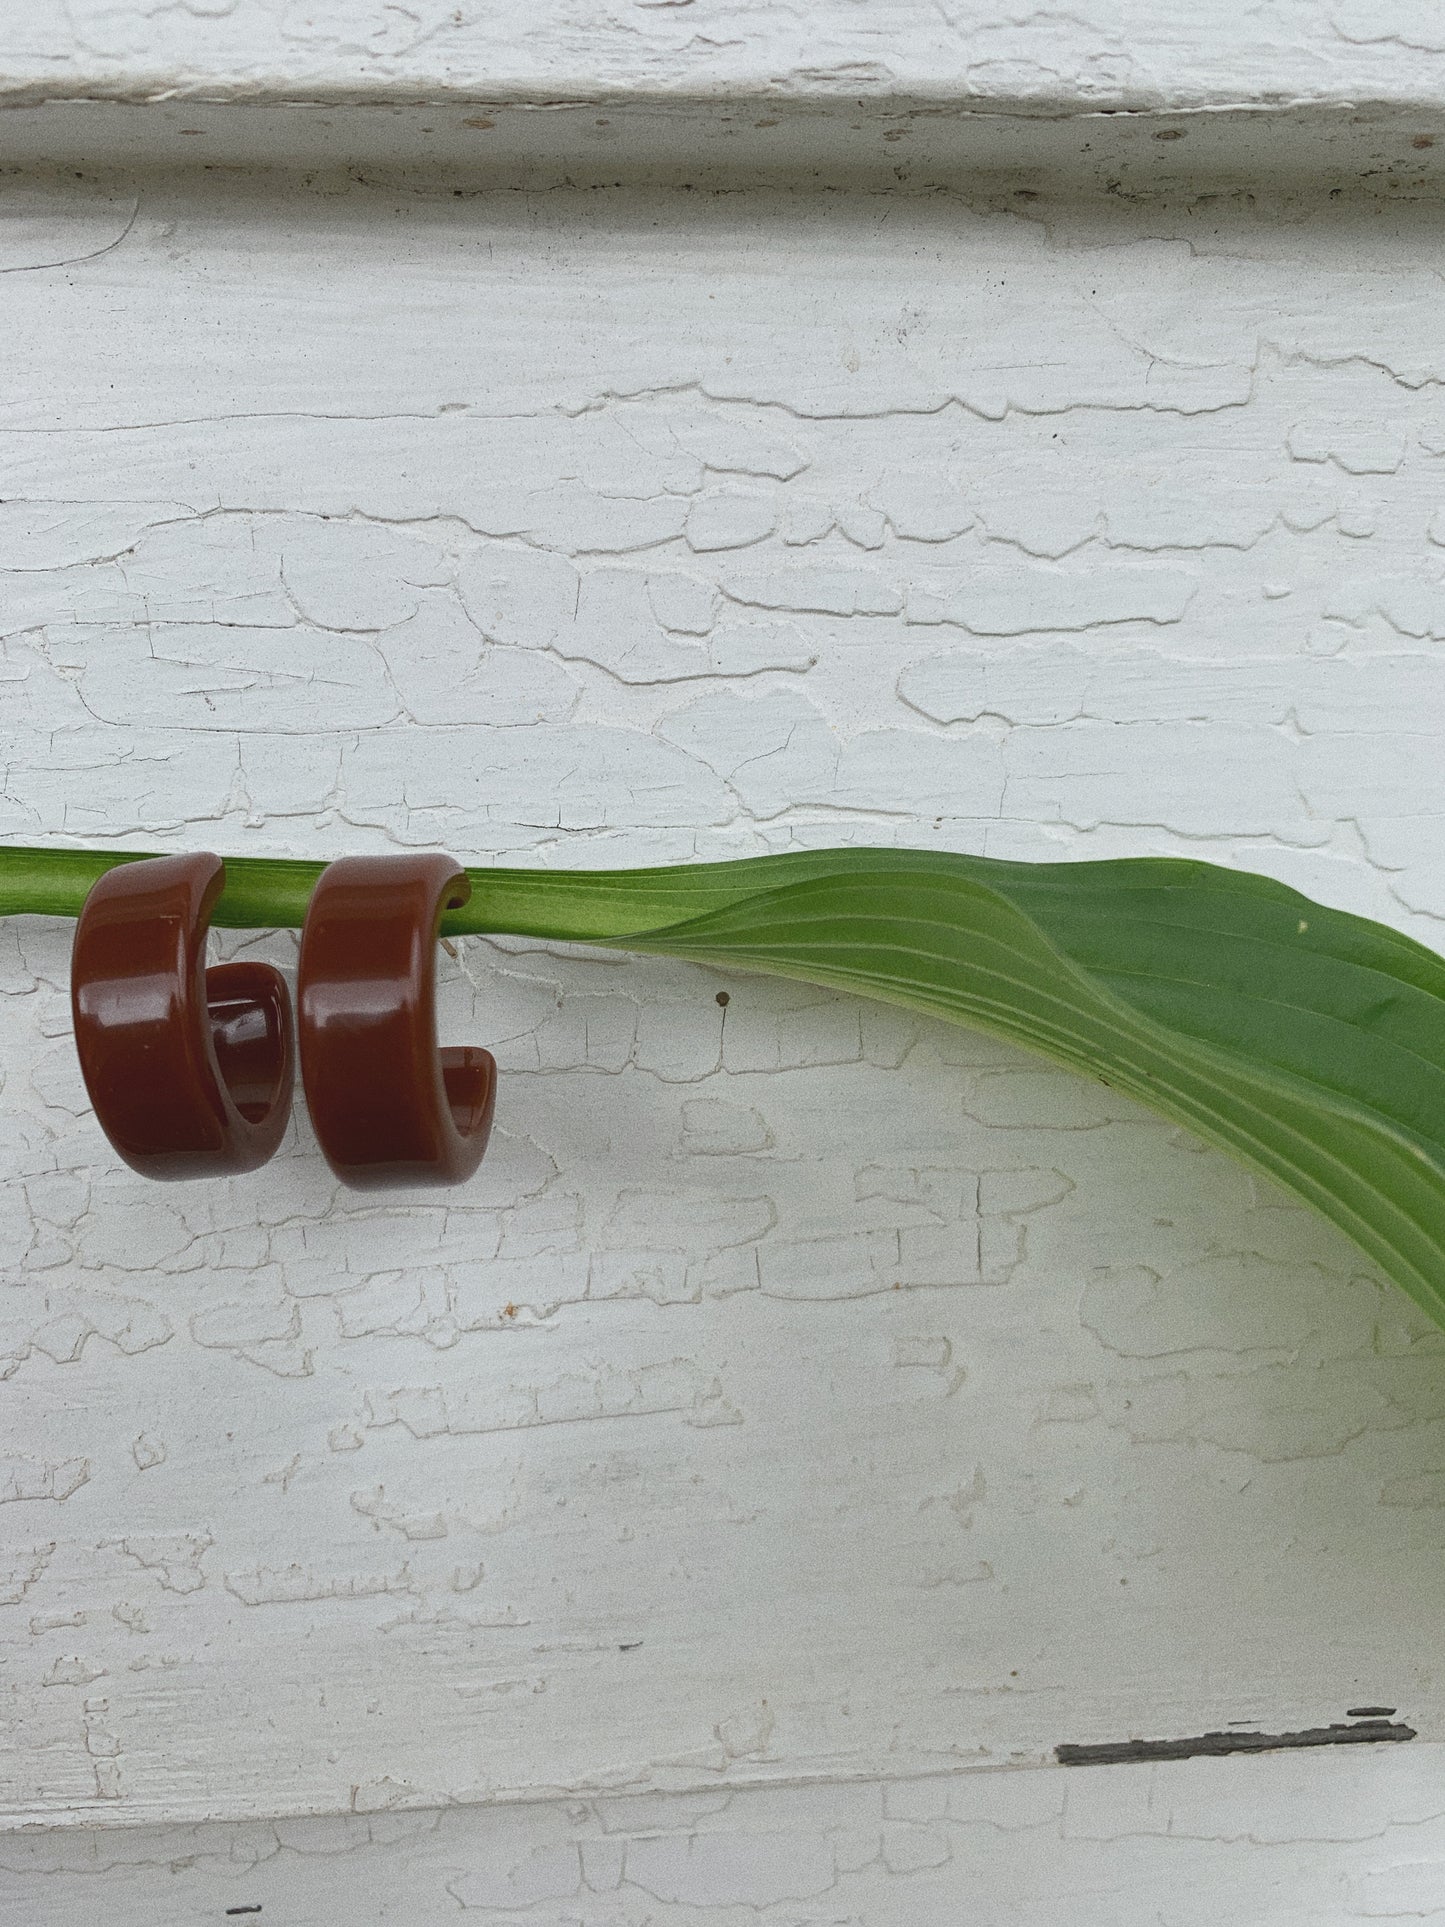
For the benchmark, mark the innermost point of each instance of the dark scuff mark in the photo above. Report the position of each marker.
(1370, 1712)
(254, 1908)
(1364, 1732)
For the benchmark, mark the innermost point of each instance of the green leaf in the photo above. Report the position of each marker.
(1308, 1042)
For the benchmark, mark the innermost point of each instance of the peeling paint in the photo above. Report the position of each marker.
(892, 1398)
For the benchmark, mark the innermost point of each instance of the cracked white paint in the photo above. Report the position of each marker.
(1092, 53)
(802, 1394)
(1330, 1839)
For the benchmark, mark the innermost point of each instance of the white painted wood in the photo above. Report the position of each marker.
(1115, 95)
(1291, 1840)
(801, 1391)
(806, 1408)
(1102, 53)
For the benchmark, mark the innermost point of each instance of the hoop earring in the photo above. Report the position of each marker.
(388, 1106)
(189, 1070)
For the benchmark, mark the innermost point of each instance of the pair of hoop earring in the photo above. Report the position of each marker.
(190, 1070)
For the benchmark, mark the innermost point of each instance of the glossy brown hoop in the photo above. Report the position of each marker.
(190, 1070)
(388, 1106)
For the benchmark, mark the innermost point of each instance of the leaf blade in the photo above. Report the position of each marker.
(1308, 1042)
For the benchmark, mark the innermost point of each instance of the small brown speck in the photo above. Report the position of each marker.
(723, 1000)
(481, 121)
(1423, 140)
(1170, 134)
(509, 1311)
(765, 123)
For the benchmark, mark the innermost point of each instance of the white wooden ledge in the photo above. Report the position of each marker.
(1116, 93)
(1126, 55)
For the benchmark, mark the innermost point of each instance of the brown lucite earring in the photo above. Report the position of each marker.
(190, 1070)
(387, 1105)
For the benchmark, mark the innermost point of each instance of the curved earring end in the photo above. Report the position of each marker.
(253, 1035)
(469, 1075)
